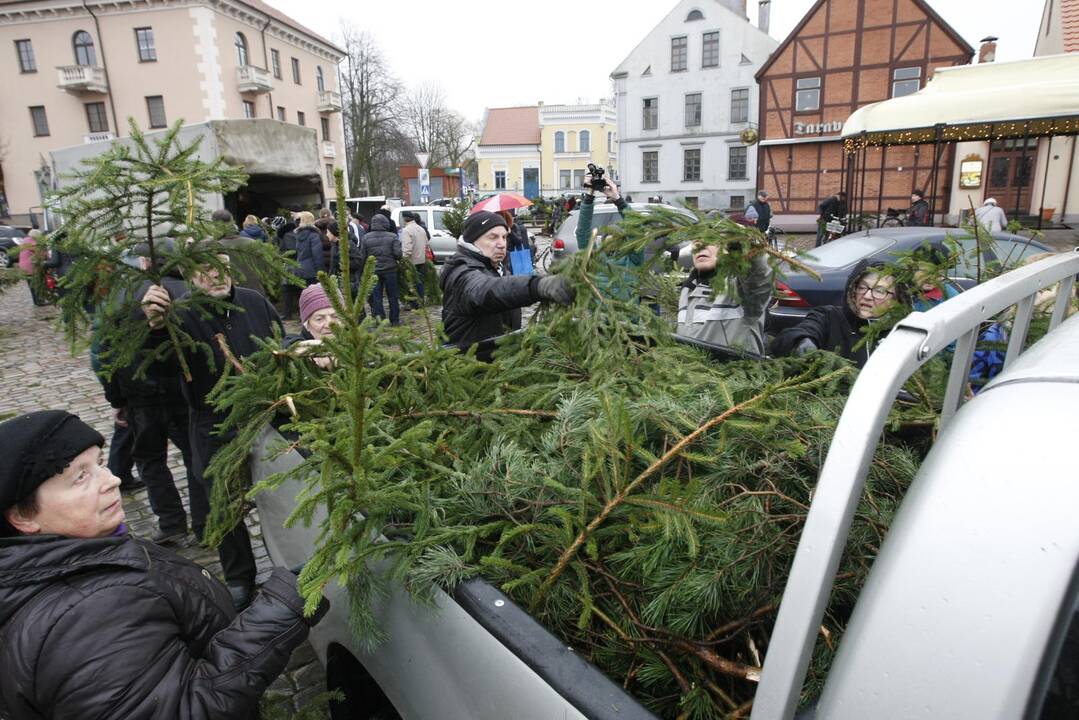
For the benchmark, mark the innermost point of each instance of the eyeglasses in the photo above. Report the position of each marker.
(878, 292)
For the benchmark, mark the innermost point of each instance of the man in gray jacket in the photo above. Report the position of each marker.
(731, 314)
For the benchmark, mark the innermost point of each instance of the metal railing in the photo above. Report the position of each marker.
(912, 343)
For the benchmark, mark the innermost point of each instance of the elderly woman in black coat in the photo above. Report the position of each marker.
(95, 623)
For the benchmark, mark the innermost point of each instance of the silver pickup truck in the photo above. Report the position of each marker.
(969, 611)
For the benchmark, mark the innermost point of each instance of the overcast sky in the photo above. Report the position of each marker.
(496, 53)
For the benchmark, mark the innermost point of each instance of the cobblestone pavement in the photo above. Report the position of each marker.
(38, 372)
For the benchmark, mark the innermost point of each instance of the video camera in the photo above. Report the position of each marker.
(597, 182)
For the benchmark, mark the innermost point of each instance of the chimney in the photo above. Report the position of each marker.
(764, 10)
(987, 53)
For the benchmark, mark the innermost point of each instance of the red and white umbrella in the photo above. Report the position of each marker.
(500, 202)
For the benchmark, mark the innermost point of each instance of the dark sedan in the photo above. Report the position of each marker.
(10, 237)
(798, 292)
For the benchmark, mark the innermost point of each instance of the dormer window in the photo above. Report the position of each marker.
(694, 15)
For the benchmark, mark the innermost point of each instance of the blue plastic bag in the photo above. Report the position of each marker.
(521, 261)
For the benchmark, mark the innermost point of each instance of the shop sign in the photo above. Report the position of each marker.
(801, 128)
(970, 172)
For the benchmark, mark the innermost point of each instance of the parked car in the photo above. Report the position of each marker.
(10, 237)
(798, 292)
(443, 245)
(565, 240)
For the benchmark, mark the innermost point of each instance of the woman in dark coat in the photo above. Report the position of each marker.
(95, 623)
(839, 328)
(308, 248)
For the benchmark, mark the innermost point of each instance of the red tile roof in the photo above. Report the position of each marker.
(1069, 21)
(512, 126)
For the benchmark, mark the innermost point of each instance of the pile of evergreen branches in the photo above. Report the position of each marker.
(641, 500)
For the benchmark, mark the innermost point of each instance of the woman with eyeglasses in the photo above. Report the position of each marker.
(870, 294)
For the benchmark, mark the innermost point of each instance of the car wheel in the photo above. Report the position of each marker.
(5, 259)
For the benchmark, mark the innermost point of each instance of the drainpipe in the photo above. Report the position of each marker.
(104, 67)
(266, 64)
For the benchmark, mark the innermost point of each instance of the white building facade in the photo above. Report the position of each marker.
(684, 96)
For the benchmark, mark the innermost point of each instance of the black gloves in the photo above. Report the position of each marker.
(806, 346)
(555, 288)
(323, 603)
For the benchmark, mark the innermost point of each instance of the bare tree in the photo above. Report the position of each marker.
(376, 144)
(435, 128)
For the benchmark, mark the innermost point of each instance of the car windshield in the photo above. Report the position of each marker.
(10, 232)
(848, 250)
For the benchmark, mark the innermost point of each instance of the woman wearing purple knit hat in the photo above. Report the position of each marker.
(317, 317)
(97, 623)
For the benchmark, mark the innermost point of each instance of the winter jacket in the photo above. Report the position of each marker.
(309, 252)
(734, 318)
(617, 279)
(120, 629)
(478, 301)
(918, 214)
(992, 217)
(242, 273)
(414, 243)
(255, 232)
(255, 318)
(832, 207)
(764, 214)
(381, 242)
(355, 261)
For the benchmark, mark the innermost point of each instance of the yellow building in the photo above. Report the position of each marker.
(545, 149)
(571, 136)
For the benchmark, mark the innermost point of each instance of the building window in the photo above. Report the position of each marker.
(610, 142)
(325, 129)
(651, 113)
(330, 182)
(296, 71)
(906, 81)
(650, 169)
(500, 179)
(84, 49)
(96, 117)
(679, 53)
(738, 202)
(249, 109)
(144, 41)
(691, 164)
(25, 51)
(40, 121)
(807, 96)
(241, 49)
(301, 119)
(155, 107)
(578, 179)
(281, 113)
(693, 109)
(585, 140)
(740, 105)
(710, 50)
(560, 142)
(736, 165)
(692, 201)
(275, 63)
(565, 179)
(694, 15)
(320, 79)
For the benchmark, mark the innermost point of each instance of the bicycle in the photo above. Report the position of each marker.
(777, 239)
(892, 218)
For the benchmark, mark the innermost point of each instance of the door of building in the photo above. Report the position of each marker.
(531, 178)
(1011, 174)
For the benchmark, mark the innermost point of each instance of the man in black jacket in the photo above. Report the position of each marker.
(95, 623)
(252, 318)
(381, 243)
(918, 214)
(480, 299)
(831, 208)
(762, 211)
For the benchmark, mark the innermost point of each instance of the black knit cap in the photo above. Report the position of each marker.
(37, 446)
(478, 224)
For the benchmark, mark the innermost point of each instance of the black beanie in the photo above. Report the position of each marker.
(478, 224)
(37, 446)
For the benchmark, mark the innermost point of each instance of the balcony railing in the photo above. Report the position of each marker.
(329, 101)
(328, 149)
(254, 79)
(98, 137)
(82, 79)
